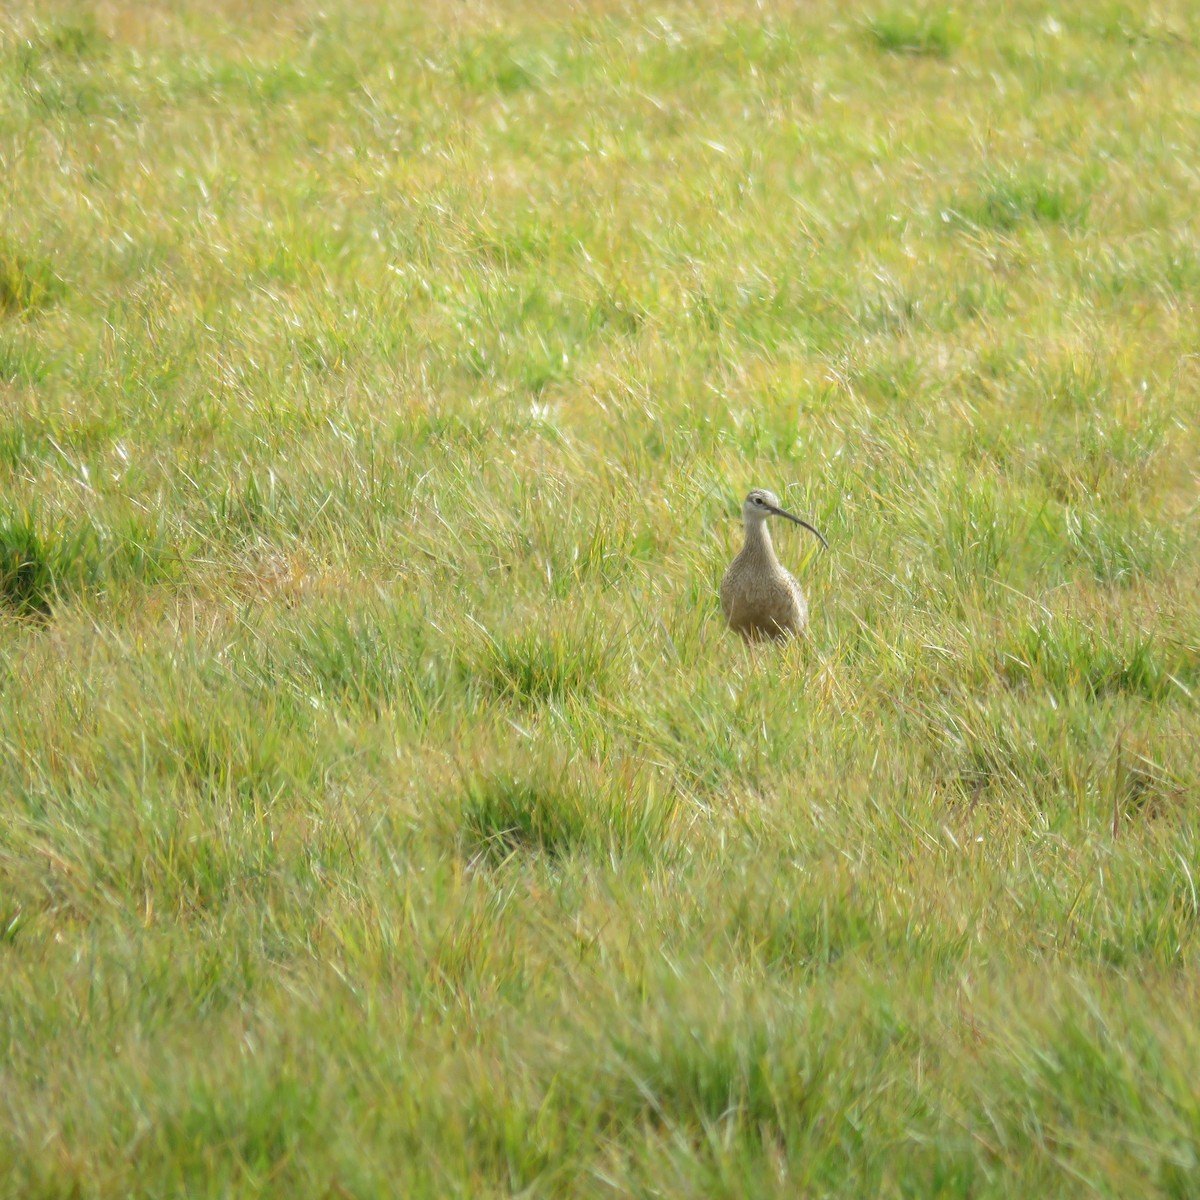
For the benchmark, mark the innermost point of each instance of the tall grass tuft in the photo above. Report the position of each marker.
(1005, 200)
(27, 283)
(1068, 655)
(509, 814)
(42, 562)
(550, 658)
(548, 806)
(932, 32)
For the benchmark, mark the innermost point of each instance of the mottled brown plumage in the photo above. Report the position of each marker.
(760, 598)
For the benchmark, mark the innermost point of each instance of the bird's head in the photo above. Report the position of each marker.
(761, 504)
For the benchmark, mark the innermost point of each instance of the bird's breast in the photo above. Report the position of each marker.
(762, 602)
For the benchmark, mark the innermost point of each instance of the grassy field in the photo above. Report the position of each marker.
(384, 809)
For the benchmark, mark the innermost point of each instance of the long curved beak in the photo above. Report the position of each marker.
(779, 512)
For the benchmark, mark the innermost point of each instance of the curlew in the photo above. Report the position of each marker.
(761, 599)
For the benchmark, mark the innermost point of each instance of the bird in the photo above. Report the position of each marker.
(762, 600)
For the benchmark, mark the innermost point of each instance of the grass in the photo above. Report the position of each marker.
(929, 31)
(386, 809)
(38, 567)
(25, 284)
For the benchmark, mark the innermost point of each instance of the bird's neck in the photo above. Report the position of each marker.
(758, 542)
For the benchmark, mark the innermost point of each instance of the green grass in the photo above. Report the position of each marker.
(927, 31)
(386, 809)
(38, 567)
(26, 284)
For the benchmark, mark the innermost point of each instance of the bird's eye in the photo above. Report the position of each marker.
(757, 499)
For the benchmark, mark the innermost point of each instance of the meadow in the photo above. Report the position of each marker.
(384, 807)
